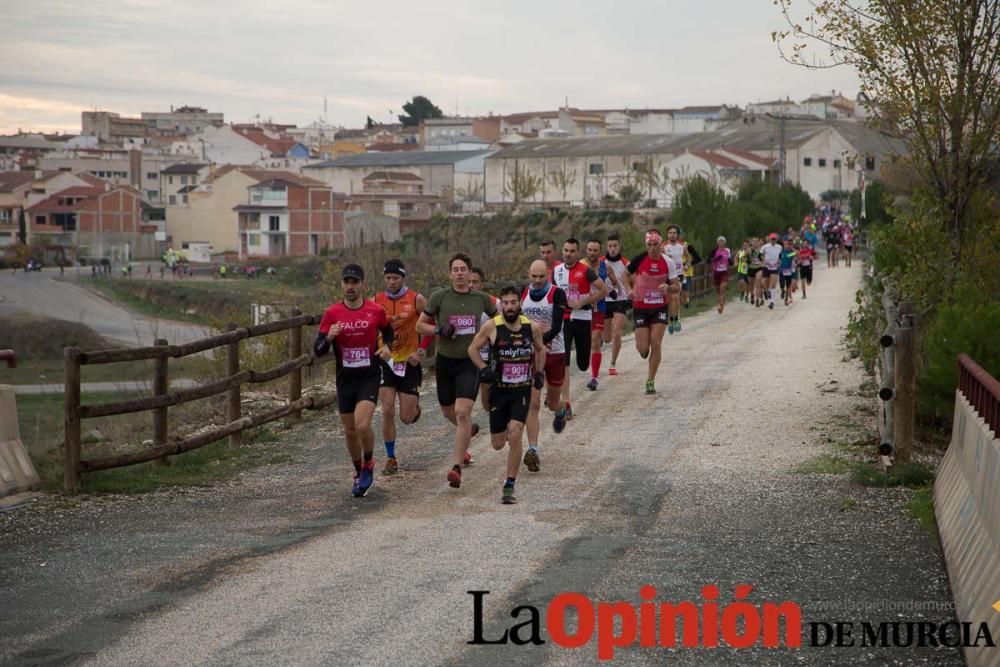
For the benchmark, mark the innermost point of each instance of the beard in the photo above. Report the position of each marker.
(510, 316)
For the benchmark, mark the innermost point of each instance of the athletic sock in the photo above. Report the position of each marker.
(561, 412)
(390, 449)
(533, 447)
(771, 293)
(357, 465)
(510, 481)
(595, 364)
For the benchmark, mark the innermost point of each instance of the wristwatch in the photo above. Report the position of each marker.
(420, 351)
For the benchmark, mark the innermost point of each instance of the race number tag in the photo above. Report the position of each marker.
(484, 353)
(515, 373)
(399, 368)
(786, 272)
(357, 357)
(653, 296)
(465, 325)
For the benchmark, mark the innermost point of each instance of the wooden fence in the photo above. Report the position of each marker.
(161, 400)
(897, 381)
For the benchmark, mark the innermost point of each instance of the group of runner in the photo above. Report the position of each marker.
(510, 349)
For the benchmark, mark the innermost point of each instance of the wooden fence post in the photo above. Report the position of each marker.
(71, 423)
(234, 411)
(904, 412)
(294, 352)
(160, 387)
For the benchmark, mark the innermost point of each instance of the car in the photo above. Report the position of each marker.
(33, 265)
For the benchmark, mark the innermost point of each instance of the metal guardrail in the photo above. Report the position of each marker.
(982, 391)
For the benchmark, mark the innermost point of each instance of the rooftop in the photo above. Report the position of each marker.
(399, 159)
(184, 168)
(14, 180)
(392, 176)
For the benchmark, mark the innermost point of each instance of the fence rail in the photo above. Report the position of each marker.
(982, 391)
(897, 381)
(162, 399)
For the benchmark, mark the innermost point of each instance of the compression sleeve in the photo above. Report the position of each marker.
(387, 334)
(558, 309)
(695, 257)
(322, 345)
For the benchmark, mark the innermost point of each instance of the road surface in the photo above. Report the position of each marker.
(692, 487)
(44, 293)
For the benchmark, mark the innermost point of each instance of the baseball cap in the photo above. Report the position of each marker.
(353, 271)
(721, 238)
(772, 235)
(394, 266)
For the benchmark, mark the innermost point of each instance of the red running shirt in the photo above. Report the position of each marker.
(650, 274)
(359, 328)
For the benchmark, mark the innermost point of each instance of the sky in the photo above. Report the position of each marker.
(279, 59)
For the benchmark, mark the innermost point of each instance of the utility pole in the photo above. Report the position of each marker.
(781, 118)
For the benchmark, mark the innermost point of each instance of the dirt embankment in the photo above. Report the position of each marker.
(35, 338)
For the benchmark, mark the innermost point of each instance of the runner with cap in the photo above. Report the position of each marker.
(651, 279)
(515, 367)
(720, 260)
(617, 304)
(545, 304)
(351, 328)
(403, 373)
(452, 315)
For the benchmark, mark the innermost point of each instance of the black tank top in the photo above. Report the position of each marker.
(511, 356)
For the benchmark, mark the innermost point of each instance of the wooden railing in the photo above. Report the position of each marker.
(897, 381)
(982, 391)
(162, 399)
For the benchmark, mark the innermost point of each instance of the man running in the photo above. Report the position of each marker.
(617, 304)
(598, 323)
(720, 260)
(476, 280)
(847, 239)
(651, 279)
(755, 268)
(547, 253)
(403, 374)
(517, 357)
(743, 271)
(673, 250)
(351, 328)
(772, 263)
(787, 263)
(578, 281)
(545, 305)
(691, 257)
(806, 257)
(456, 311)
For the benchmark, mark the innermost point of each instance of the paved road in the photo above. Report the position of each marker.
(688, 488)
(43, 293)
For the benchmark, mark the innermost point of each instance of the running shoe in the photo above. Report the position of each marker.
(356, 486)
(508, 495)
(467, 460)
(612, 371)
(391, 466)
(677, 325)
(650, 387)
(455, 478)
(771, 305)
(592, 385)
(531, 459)
(559, 422)
(366, 479)
(670, 327)
(569, 412)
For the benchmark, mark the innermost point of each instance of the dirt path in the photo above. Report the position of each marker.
(691, 487)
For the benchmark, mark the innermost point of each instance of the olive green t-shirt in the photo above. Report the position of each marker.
(464, 310)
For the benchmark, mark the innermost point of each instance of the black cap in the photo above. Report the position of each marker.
(394, 266)
(353, 271)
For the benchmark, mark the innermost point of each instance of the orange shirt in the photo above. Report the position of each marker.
(403, 315)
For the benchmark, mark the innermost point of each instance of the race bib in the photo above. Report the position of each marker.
(484, 353)
(786, 272)
(399, 368)
(465, 325)
(357, 357)
(515, 373)
(572, 293)
(653, 296)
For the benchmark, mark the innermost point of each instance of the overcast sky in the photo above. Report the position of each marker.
(279, 58)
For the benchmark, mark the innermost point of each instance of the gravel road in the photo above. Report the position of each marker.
(43, 293)
(694, 486)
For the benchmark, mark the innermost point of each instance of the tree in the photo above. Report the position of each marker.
(629, 194)
(932, 68)
(521, 184)
(647, 176)
(704, 211)
(418, 109)
(562, 180)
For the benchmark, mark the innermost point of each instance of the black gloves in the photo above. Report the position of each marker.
(539, 379)
(446, 330)
(613, 294)
(487, 375)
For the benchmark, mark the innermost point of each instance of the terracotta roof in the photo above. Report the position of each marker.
(753, 157)
(392, 176)
(12, 180)
(718, 160)
(277, 146)
(184, 168)
(54, 203)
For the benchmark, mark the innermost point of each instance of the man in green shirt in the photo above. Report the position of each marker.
(453, 315)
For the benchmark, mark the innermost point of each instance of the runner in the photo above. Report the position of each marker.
(545, 305)
(674, 252)
(691, 257)
(476, 279)
(403, 374)
(755, 271)
(847, 239)
(514, 344)
(651, 278)
(787, 262)
(832, 241)
(617, 305)
(457, 310)
(596, 261)
(578, 281)
(351, 328)
(743, 271)
(772, 262)
(720, 260)
(547, 253)
(806, 257)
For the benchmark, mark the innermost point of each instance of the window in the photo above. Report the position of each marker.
(274, 223)
(185, 245)
(870, 163)
(807, 161)
(5, 215)
(170, 180)
(822, 162)
(836, 164)
(184, 199)
(151, 175)
(184, 180)
(597, 168)
(40, 220)
(173, 200)
(253, 239)
(152, 194)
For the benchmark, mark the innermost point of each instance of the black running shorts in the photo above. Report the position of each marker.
(352, 388)
(578, 331)
(456, 378)
(807, 274)
(612, 307)
(508, 406)
(409, 383)
(646, 317)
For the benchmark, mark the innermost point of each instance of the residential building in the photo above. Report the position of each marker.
(182, 120)
(178, 180)
(400, 195)
(434, 128)
(225, 145)
(833, 106)
(446, 143)
(110, 128)
(289, 216)
(14, 186)
(116, 165)
(23, 151)
(785, 107)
